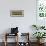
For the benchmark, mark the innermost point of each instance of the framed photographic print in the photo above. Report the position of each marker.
(17, 13)
(41, 8)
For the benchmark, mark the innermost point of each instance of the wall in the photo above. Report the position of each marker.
(24, 23)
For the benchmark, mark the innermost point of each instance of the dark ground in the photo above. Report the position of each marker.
(13, 44)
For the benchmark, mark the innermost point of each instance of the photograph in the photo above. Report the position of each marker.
(17, 13)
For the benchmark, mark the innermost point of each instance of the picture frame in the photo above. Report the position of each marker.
(17, 13)
(41, 8)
